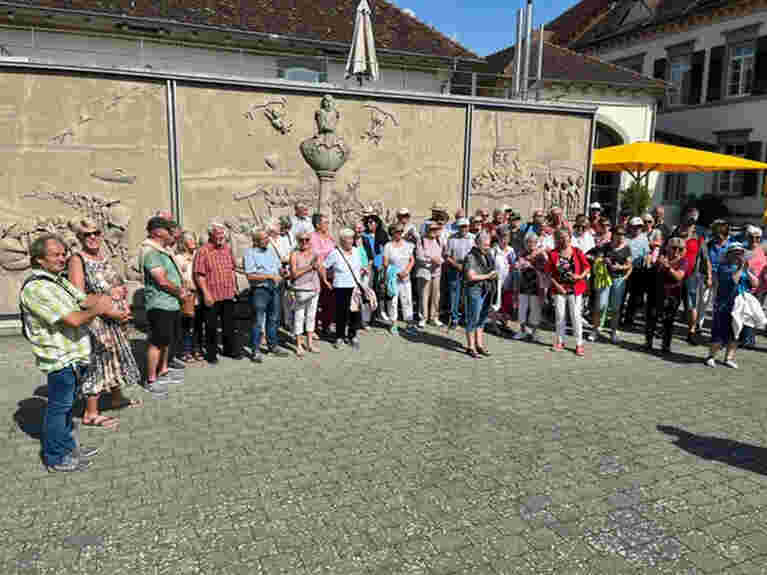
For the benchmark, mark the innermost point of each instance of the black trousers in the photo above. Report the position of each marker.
(660, 306)
(345, 318)
(641, 283)
(223, 311)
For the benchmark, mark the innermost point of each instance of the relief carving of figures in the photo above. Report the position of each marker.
(276, 112)
(378, 118)
(563, 188)
(505, 177)
(98, 108)
(110, 216)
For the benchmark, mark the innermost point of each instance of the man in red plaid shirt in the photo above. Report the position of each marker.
(214, 273)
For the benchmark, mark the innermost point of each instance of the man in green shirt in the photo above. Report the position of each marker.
(54, 318)
(163, 292)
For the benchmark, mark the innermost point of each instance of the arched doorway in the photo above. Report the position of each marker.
(605, 185)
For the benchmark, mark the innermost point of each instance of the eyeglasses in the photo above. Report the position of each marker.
(95, 234)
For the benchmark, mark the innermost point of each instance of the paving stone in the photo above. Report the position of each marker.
(406, 458)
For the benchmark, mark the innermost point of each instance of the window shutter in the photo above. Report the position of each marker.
(659, 72)
(760, 67)
(696, 77)
(751, 177)
(715, 73)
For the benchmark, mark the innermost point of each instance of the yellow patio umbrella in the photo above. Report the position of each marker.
(641, 158)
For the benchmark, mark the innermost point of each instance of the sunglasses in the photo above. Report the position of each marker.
(304, 240)
(96, 234)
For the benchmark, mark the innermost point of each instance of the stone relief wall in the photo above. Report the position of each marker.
(78, 146)
(73, 147)
(529, 160)
(364, 153)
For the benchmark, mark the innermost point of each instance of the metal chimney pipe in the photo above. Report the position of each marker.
(528, 42)
(518, 54)
(539, 75)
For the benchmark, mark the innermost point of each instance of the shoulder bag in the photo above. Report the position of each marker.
(361, 294)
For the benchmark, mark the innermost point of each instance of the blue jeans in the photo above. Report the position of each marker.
(611, 298)
(454, 282)
(265, 302)
(476, 307)
(57, 421)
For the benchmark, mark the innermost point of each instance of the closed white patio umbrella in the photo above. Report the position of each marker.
(362, 61)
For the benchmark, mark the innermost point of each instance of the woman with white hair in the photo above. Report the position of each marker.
(568, 269)
(191, 320)
(529, 265)
(112, 367)
(304, 266)
(345, 265)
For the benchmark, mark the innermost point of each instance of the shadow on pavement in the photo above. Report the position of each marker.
(735, 453)
(433, 339)
(673, 356)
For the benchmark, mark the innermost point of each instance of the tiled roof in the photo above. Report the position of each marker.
(665, 10)
(569, 25)
(325, 20)
(562, 64)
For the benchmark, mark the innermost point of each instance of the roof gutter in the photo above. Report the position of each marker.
(142, 21)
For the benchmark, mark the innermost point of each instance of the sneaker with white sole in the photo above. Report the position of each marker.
(710, 362)
(614, 337)
(437, 323)
(730, 363)
(520, 335)
(422, 323)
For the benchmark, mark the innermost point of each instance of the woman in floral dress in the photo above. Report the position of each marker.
(112, 366)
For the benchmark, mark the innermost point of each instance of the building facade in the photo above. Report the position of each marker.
(714, 55)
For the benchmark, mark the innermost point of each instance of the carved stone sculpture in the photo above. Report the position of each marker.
(326, 152)
(378, 118)
(275, 111)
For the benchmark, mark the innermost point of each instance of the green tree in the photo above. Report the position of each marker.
(637, 197)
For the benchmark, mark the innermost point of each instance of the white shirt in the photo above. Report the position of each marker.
(546, 242)
(304, 223)
(399, 255)
(585, 242)
(342, 274)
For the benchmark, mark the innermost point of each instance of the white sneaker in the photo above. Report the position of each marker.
(422, 323)
(593, 336)
(711, 362)
(730, 363)
(437, 323)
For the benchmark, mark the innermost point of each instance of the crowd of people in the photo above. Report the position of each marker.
(484, 272)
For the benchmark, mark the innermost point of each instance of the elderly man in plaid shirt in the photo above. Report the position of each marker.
(54, 318)
(214, 269)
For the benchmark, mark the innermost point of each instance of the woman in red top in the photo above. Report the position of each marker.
(568, 269)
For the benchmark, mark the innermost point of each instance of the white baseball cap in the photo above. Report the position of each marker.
(635, 221)
(403, 212)
(595, 206)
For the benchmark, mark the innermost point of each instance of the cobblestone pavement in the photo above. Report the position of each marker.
(407, 457)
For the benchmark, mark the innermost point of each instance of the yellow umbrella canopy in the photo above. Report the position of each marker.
(641, 158)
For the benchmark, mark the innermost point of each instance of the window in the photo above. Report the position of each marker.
(302, 69)
(740, 77)
(679, 75)
(675, 189)
(731, 183)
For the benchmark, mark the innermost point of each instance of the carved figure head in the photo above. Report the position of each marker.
(327, 102)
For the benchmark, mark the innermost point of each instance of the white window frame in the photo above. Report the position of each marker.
(743, 90)
(681, 96)
(727, 182)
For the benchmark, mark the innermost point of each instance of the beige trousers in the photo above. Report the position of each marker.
(429, 293)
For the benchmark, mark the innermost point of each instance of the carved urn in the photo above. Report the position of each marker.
(322, 157)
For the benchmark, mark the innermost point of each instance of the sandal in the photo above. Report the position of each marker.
(299, 352)
(101, 421)
(313, 349)
(127, 402)
(483, 351)
(472, 353)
